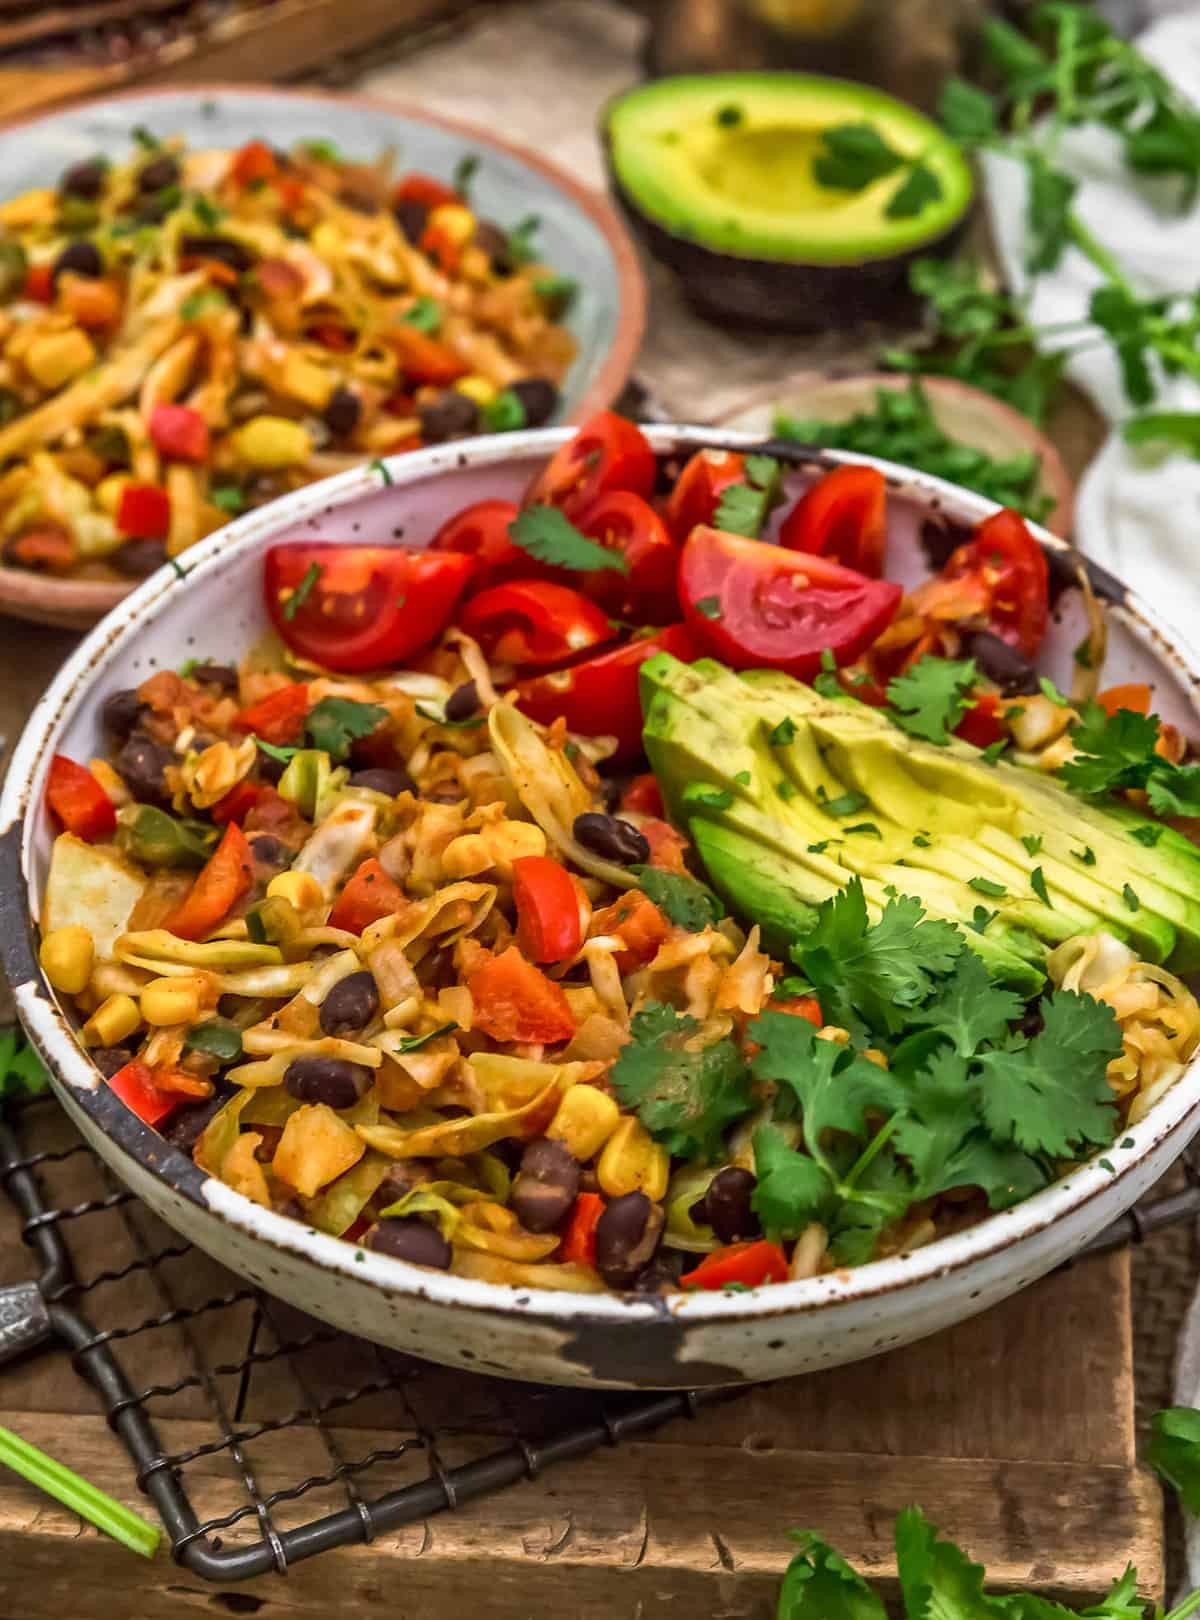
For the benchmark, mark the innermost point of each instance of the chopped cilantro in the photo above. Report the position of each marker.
(922, 840)
(687, 903)
(708, 798)
(465, 171)
(685, 1099)
(326, 150)
(743, 778)
(302, 592)
(1084, 655)
(867, 827)
(469, 724)
(981, 917)
(930, 699)
(1033, 843)
(1117, 752)
(1087, 855)
(334, 723)
(177, 568)
(557, 293)
(828, 661)
(993, 751)
(1148, 835)
(1037, 882)
(229, 498)
(744, 507)
(785, 789)
(1052, 692)
(1175, 1451)
(985, 886)
(551, 538)
(819, 849)
(1130, 897)
(425, 315)
(218, 1039)
(144, 138)
(520, 247)
(283, 754)
(846, 804)
(1107, 1164)
(381, 468)
(710, 607)
(413, 1043)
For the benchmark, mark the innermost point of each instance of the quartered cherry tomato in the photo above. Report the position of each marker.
(626, 523)
(758, 605)
(598, 696)
(534, 621)
(607, 453)
(366, 606)
(842, 516)
(699, 487)
(1006, 561)
(481, 532)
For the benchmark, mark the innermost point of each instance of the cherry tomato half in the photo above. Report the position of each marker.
(1011, 566)
(598, 696)
(698, 489)
(481, 532)
(607, 453)
(366, 605)
(842, 516)
(549, 927)
(626, 523)
(534, 621)
(754, 604)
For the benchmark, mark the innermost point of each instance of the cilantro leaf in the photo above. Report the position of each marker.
(1174, 1451)
(520, 246)
(936, 1577)
(1174, 791)
(686, 902)
(302, 592)
(1051, 1094)
(931, 698)
(551, 538)
(828, 1085)
(968, 1008)
(1112, 751)
(334, 723)
(966, 112)
(745, 507)
(920, 188)
(820, 1585)
(413, 1043)
(792, 1189)
(685, 1099)
(465, 171)
(710, 606)
(425, 315)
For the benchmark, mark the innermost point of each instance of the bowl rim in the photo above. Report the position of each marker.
(76, 1078)
(86, 596)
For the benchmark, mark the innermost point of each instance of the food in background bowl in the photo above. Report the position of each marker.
(388, 928)
(188, 334)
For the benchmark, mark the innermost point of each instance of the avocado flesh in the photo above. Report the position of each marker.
(706, 725)
(726, 161)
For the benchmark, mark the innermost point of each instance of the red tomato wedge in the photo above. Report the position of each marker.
(598, 696)
(699, 487)
(624, 522)
(481, 532)
(78, 800)
(643, 796)
(365, 606)
(750, 1264)
(549, 927)
(369, 895)
(579, 1238)
(514, 1001)
(534, 621)
(179, 432)
(279, 718)
(218, 887)
(843, 516)
(1007, 563)
(607, 453)
(758, 605)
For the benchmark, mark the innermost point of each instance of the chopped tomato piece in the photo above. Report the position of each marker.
(78, 800)
(629, 525)
(135, 1085)
(514, 1001)
(667, 845)
(424, 189)
(699, 488)
(339, 339)
(291, 191)
(842, 516)
(799, 1007)
(49, 549)
(638, 924)
(365, 606)
(1008, 567)
(549, 927)
(369, 895)
(278, 718)
(272, 813)
(1134, 696)
(578, 1244)
(481, 532)
(643, 796)
(442, 247)
(254, 161)
(144, 512)
(982, 724)
(425, 359)
(92, 302)
(39, 283)
(534, 622)
(218, 887)
(179, 432)
(607, 453)
(237, 803)
(748, 1264)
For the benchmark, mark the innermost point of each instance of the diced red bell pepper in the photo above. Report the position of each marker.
(578, 1244)
(78, 800)
(39, 283)
(424, 189)
(278, 718)
(135, 1086)
(217, 888)
(254, 161)
(237, 803)
(369, 895)
(643, 796)
(514, 1001)
(144, 512)
(981, 724)
(749, 1264)
(549, 927)
(179, 432)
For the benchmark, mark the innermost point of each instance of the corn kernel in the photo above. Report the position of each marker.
(67, 957)
(269, 443)
(477, 388)
(585, 1120)
(171, 1001)
(108, 492)
(453, 222)
(113, 1021)
(507, 841)
(54, 359)
(300, 889)
(632, 1161)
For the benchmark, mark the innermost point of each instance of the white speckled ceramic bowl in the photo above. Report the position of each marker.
(216, 611)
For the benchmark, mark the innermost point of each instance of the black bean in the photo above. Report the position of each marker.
(138, 558)
(184, 1128)
(627, 1237)
(84, 179)
(222, 675)
(1007, 666)
(108, 1059)
(611, 837)
(659, 1277)
(727, 1206)
(81, 259)
(463, 702)
(1032, 1021)
(350, 1005)
(327, 1080)
(121, 712)
(156, 175)
(546, 1186)
(222, 248)
(381, 780)
(491, 240)
(400, 1178)
(412, 1240)
(270, 851)
(448, 415)
(342, 413)
(142, 763)
(539, 399)
(412, 218)
(269, 768)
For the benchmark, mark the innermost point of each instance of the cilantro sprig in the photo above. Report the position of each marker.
(334, 725)
(685, 1098)
(551, 538)
(1117, 752)
(930, 699)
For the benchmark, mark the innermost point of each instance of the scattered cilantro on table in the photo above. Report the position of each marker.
(1175, 1451)
(744, 507)
(551, 538)
(22, 1073)
(684, 1098)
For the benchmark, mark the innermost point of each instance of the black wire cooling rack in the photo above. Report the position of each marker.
(149, 1319)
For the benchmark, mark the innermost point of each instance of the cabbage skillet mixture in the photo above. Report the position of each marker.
(391, 927)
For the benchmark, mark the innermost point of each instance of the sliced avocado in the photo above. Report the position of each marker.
(720, 174)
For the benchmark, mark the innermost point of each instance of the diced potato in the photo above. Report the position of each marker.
(303, 380)
(316, 1147)
(90, 887)
(242, 1171)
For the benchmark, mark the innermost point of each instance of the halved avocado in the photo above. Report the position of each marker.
(716, 171)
